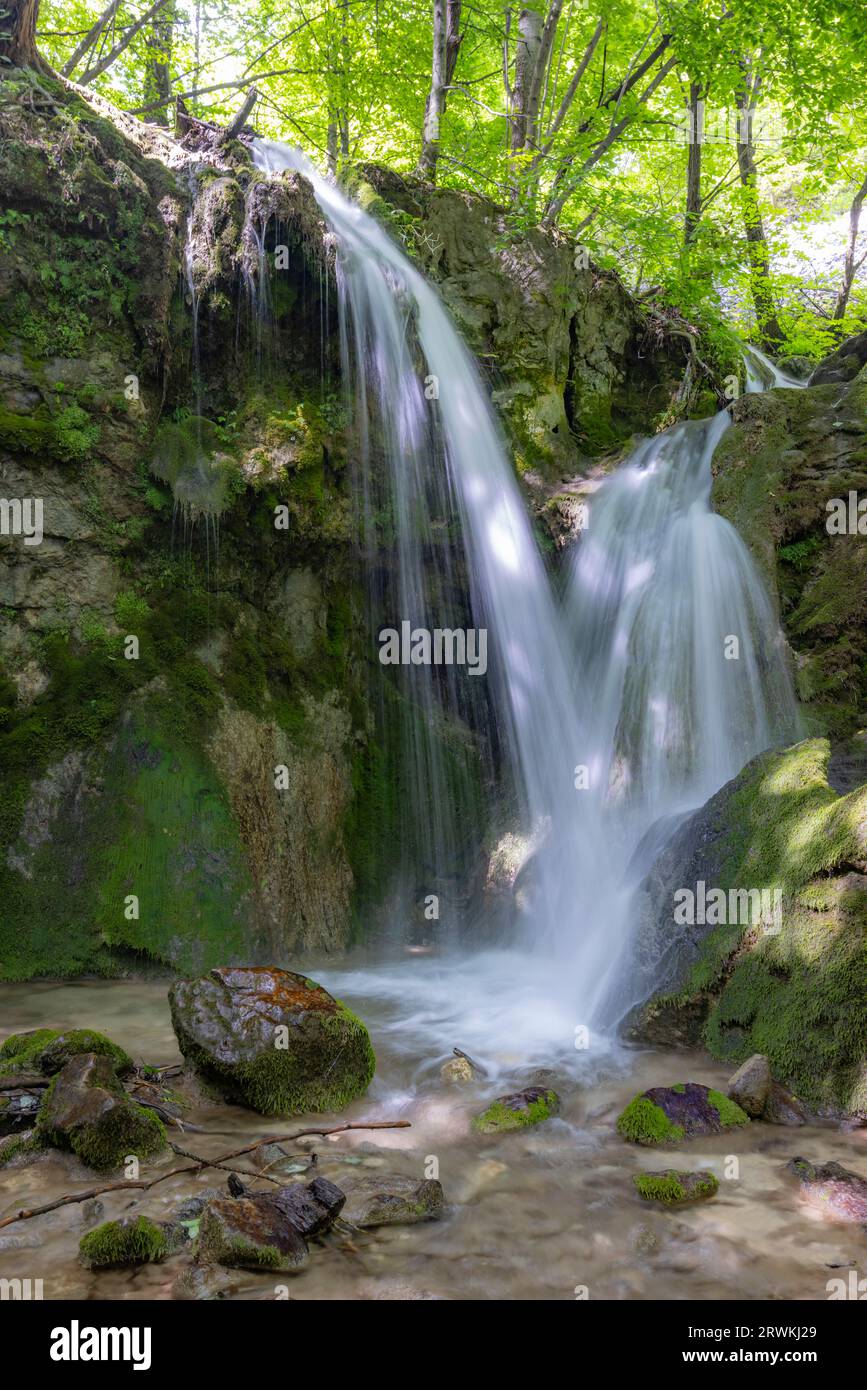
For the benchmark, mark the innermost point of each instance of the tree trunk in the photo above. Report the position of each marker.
(850, 265)
(18, 34)
(157, 83)
(446, 45)
(693, 165)
(767, 315)
(526, 59)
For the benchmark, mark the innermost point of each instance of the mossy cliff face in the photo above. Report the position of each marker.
(792, 986)
(183, 729)
(560, 340)
(787, 456)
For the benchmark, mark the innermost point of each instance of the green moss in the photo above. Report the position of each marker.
(22, 1052)
(643, 1122)
(282, 1082)
(730, 1113)
(673, 1188)
(48, 1050)
(15, 1145)
(105, 1142)
(499, 1117)
(125, 1242)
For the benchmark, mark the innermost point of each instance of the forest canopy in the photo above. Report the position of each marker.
(713, 153)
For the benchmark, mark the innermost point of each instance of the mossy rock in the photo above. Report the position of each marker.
(675, 1188)
(390, 1199)
(133, 1240)
(87, 1112)
(518, 1111)
(794, 994)
(48, 1051)
(249, 1233)
(272, 1040)
(670, 1114)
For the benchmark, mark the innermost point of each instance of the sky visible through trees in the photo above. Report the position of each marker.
(714, 153)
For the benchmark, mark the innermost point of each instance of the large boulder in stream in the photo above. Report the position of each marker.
(271, 1040)
(390, 1199)
(669, 1114)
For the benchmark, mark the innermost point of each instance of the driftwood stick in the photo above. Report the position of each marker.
(25, 1083)
(143, 1185)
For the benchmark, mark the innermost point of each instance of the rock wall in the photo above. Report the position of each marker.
(790, 454)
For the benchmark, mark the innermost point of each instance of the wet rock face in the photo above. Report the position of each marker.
(669, 1114)
(87, 1111)
(388, 1199)
(833, 1189)
(272, 1040)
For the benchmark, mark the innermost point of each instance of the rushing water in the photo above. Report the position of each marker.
(660, 676)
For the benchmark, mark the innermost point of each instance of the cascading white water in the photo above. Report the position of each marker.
(630, 681)
(682, 658)
(390, 307)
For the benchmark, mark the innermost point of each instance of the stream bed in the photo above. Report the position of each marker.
(549, 1213)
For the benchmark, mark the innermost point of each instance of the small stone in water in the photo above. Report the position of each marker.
(456, 1071)
(674, 1187)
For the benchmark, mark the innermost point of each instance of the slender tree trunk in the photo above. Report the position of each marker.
(446, 45)
(693, 163)
(18, 34)
(850, 265)
(764, 301)
(158, 83)
(526, 58)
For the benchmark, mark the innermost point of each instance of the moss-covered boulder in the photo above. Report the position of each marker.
(87, 1111)
(676, 1188)
(47, 1050)
(249, 1233)
(790, 984)
(750, 1087)
(132, 1240)
(272, 1040)
(518, 1111)
(390, 1199)
(670, 1114)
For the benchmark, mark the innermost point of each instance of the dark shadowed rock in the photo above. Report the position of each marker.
(831, 1188)
(310, 1208)
(87, 1111)
(272, 1040)
(668, 1114)
(389, 1199)
(750, 1087)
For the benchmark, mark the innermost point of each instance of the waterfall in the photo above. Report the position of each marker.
(615, 712)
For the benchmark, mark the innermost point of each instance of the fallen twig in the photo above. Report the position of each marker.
(144, 1185)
